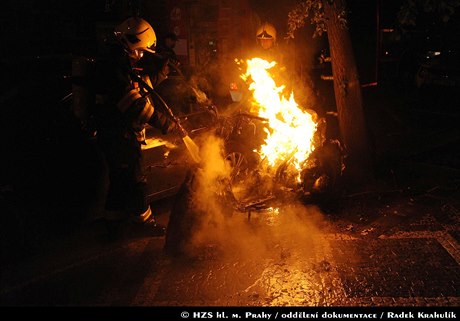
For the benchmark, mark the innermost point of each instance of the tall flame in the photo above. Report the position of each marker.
(290, 130)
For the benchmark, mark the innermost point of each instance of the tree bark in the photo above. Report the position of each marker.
(348, 96)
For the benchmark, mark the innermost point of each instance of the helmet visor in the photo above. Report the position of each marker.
(264, 35)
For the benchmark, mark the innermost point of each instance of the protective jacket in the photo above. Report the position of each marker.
(122, 110)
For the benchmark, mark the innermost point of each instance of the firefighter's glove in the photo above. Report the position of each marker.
(163, 123)
(170, 127)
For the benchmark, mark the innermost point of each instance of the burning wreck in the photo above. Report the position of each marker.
(292, 139)
(262, 149)
(274, 146)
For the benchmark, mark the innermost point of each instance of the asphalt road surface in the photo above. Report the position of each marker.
(385, 249)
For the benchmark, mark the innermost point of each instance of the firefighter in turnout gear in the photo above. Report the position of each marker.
(267, 45)
(269, 48)
(287, 70)
(122, 112)
(266, 35)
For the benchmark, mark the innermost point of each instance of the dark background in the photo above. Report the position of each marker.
(51, 172)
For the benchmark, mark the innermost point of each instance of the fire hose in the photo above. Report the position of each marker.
(189, 143)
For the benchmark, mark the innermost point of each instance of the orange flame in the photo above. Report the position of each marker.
(290, 130)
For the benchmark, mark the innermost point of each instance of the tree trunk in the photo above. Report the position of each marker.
(348, 97)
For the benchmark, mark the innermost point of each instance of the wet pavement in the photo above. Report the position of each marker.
(393, 243)
(385, 248)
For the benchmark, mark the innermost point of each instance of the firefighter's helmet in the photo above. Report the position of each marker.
(136, 35)
(266, 31)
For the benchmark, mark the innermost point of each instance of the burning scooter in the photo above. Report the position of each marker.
(278, 144)
(273, 150)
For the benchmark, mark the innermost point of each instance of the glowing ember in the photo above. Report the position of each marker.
(290, 130)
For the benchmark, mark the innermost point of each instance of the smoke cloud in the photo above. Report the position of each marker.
(218, 225)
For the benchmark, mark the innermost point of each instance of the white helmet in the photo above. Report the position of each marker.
(266, 31)
(136, 34)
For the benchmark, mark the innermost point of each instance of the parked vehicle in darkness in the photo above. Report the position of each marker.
(439, 67)
(429, 59)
